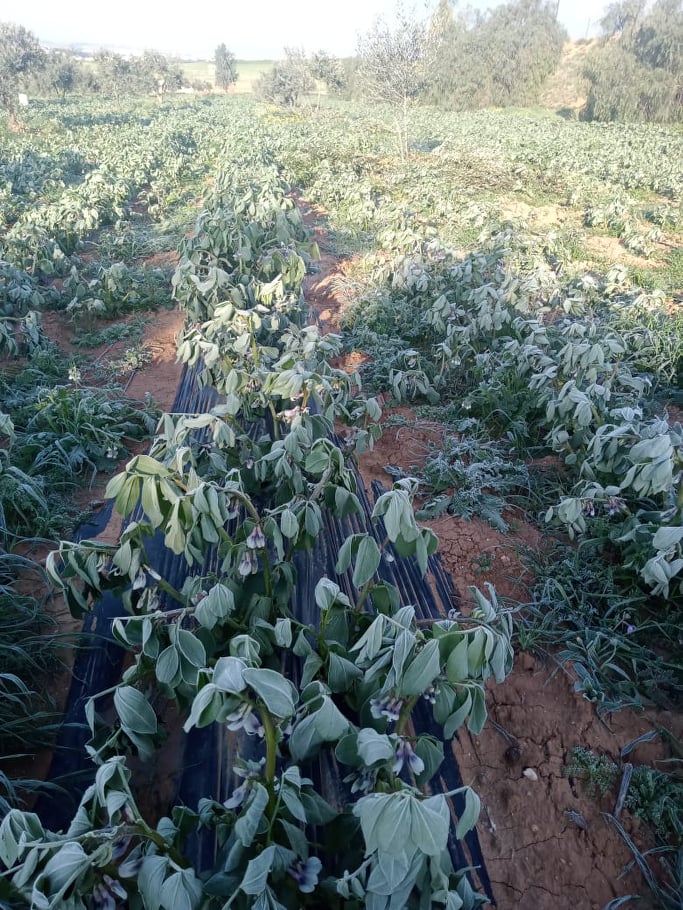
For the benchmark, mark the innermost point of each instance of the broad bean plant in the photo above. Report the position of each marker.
(256, 479)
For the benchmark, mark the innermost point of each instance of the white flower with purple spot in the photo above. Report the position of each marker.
(389, 706)
(257, 539)
(405, 754)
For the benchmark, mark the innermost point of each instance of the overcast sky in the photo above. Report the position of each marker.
(251, 28)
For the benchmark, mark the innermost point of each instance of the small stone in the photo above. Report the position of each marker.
(530, 774)
(534, 829)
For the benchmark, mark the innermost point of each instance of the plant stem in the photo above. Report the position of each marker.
(365, 591)
(271, 745)
(404, 715)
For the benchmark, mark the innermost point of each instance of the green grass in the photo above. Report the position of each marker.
(672, 277)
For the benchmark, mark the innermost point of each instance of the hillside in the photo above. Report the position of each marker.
(567, 88)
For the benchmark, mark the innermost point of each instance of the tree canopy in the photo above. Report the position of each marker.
(495, 59)
(638, 72)
(153, 72)
(20, 53)
(395, 61)
(288, 79)
(226, 67)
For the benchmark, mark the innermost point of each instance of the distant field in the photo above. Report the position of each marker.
(248, 72)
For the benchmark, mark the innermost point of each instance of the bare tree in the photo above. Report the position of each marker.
(395, 62)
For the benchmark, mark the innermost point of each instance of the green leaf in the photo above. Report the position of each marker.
(430, 823)
(457, 666)
(273, 689)
(258, 869)
(145, 464)
(16, 828)
(311, 666)
(228, 674)
(327, 724)
(206, 707)
(342, 673)
(478, 713)
(283, 632)
(469, 817)
(191, 648)
(344, 554)
(422, 671)
(328, 593)
(167, 666)
(318, 811)
(175, 534)
(318, 459)
(296, 837)
(291, 799)
(289, 524)
(374, 747)
(385, 821)
(218, 604)
(457, 718)
(135, 711)
(181, 891)
(128, 496)
(430, 750)
(248, 823)
(115, 485)
(367, 561)
(667, 537)
(61, 871)
(150, 502)
(392, 877)
(150, 880)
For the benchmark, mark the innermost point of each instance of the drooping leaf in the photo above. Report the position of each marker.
(272, 688)
(135, 711)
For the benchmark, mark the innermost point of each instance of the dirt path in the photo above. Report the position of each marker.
(547, 846)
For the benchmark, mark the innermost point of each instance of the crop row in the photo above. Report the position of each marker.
(257, 478)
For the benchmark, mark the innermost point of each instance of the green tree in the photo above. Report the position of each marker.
(159, 74)
(395, 65)
(498, 59)
(115, 74)
(20, 54)
(327, 70)
(622, 18)
(226, 67)
(637, 73)
(287, 80)
(59, 75)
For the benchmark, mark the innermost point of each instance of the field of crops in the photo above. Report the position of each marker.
(423, 465)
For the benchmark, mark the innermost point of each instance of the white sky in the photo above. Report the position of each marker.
(253, 29)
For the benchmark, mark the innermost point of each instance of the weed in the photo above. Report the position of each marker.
(112, 333)
(583, 608)
(467, 477)
(597, 773)
(653, 796)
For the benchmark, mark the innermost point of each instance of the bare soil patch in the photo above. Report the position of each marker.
(547, 845)
(537, 216)
(612, 250)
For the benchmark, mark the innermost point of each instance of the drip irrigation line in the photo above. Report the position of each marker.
(208, 754)
(99, 668)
